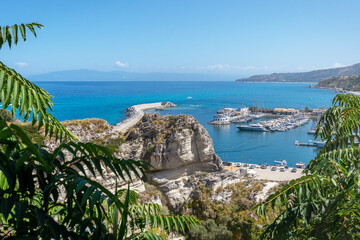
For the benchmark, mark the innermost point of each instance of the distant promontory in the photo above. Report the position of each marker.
(313, 76)
(347, 83)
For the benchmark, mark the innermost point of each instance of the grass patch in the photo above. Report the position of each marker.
(33, 133)
(150, 148)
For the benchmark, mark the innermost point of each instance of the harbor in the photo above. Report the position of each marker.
(280, 124)
(250, 121)
(277, 119)
(227, 116)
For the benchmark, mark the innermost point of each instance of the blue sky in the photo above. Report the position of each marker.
(192, 36)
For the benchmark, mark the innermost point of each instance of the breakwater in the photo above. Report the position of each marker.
(136, 112)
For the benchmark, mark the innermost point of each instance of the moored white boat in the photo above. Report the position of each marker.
(252, 127)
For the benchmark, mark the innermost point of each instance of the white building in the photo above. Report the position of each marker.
(221, 118)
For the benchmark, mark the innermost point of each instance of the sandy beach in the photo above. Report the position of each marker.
(267, 174)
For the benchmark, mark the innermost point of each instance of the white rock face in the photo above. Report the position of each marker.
(179, 148)
(179, 185)
(170, 142)
(177, 144)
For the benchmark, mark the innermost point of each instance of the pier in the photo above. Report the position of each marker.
(136, 112)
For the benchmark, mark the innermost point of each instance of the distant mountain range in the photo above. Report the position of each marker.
(313, 76)
(90, 75)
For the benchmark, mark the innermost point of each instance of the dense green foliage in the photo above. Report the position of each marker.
(349, 83)
(33, 182)
(235, 216)
(32, 133)
(324, 204)
(209, 230)
(6, 115)
(59, 194)
(10, 34)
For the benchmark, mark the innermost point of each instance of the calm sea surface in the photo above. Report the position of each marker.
(108, 100)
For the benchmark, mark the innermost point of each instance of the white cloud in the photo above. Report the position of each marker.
(121, 64)
(226, 67)
(249, 68)
(337, 65)
(217, 66)
(21, 64)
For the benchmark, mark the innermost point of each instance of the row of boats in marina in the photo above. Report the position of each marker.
(311, 143)
(280, 124)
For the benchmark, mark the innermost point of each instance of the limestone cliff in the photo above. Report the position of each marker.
(179, 148)
(166, 142)
(171, 142)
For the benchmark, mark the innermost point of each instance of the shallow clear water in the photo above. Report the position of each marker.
(108, 100)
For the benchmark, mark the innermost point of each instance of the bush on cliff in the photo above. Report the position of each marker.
(6, 115)
(235, 215)
(209, 230)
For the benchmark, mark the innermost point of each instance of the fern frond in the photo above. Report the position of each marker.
(302, 188)
(97, 159)
(10, 34)
(340, 120)
(29, 99)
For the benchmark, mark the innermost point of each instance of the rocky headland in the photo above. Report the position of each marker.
(178, 147)
(342, 83)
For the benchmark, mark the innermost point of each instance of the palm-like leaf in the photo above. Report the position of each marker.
(142, 217)
(29, 99)
(324, 204)
(24, 96)
(10, 34)
(54, 195)
(30, 173)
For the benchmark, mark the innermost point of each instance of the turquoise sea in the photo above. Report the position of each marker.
(108, 100)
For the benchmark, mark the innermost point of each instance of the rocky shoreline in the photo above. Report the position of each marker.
(179, 148)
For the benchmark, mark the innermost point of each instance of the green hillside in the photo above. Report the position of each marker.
(313, 76)
(349, 83)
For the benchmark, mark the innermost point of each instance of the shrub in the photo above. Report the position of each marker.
(235, 215)
(6, 115)
(150, 148)
(209, 230)
(33, 133)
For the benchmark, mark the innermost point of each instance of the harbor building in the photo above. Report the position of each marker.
(286, 111)
(320, 111)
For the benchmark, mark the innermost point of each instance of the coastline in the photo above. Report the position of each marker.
(136, 112)
(353, 92)
(273, 82)
(342, 91)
